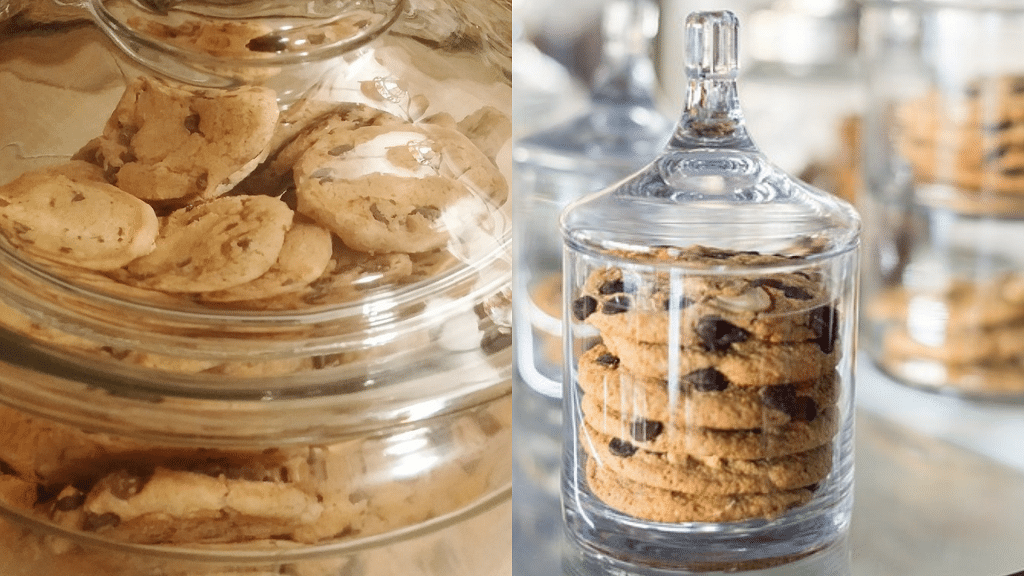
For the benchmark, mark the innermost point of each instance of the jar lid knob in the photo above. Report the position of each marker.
(711, 44)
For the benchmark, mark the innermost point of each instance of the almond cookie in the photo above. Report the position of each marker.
(711, 475)
(305, 254)
(783, 307)
(743, 363)
(170, 144)
(706, 398)
(402, 189)
(660, 505)
(213, 246)
(679, 440)
(69, 214)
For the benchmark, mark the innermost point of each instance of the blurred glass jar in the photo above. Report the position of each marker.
(806, 51)
(944, 282)
(254, 280)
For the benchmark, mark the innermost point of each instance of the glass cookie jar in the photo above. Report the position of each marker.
(945, 196)
(711, 309)
(254, 289)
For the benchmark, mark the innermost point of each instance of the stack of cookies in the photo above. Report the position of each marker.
(973, 141)
(967, 334)
(709, 398)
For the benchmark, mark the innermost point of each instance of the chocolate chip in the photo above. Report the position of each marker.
(495, 341)
(707, 380)
(996, 127)
(784, 399)
(794, 292)
(781, 397)
(431, 213)
(608, 361)
(717, 254)
(612, 287)
(340, 149)
(616, 305)
(684, 303)
(621, 448)
(7, 470)
(718, 334)
(267, 43)
(812, 487)
(805, 410)
(644, 430)
(94, 522)
(1016, 171)
(824, 323)
(72, 501)
(191, 123)
(583, 307)
(124, 484)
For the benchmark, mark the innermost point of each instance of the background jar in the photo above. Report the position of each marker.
(358, 424)
(942, 204)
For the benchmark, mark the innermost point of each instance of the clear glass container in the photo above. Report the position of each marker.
(710, 351)
(619, 132)
(944, 205)
(255, 275)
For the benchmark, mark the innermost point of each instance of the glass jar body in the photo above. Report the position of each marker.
(695, 392)
(356, 422)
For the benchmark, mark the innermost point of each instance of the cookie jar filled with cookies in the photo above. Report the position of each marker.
(944, 282)
(712, 305)
(254, 288)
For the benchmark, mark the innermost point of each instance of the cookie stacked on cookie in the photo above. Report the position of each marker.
(966, 334)
(711, 397)
(973, 141)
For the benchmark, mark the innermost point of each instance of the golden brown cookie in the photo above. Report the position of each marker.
(213, 246)
(169, 144)
(69, 214)
(660, 505)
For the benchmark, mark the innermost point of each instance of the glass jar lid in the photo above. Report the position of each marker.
(711, 184)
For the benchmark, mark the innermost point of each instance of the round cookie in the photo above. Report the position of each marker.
(305, 253)
(299, 128)
(213, 246)
(349, 276)
(679, 441)
(660, 505)
(182, 506)
(168, 144)
(715, 475)
(706, 400)
(784, 307)
(69, 214)
(406, 189)
(747, 363)
(962, 303)
(959, 345)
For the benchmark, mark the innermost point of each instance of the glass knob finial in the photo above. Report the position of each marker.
(711, 44)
